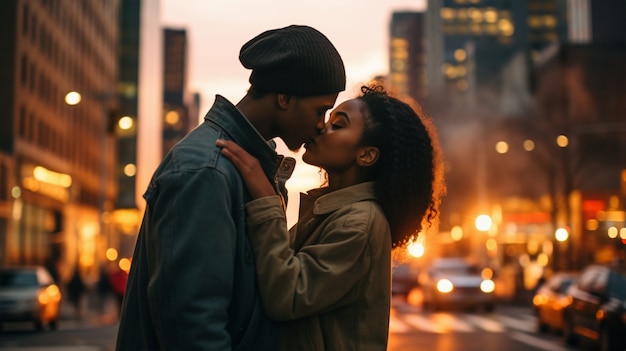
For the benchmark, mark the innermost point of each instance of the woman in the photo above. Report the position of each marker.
(331, 278)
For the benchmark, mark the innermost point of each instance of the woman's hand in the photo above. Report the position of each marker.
(249, 168)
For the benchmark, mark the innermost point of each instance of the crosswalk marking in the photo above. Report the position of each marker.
(397, 326)
(517, 324)
(441, 323)
(486, 323)
(419, 322)
(446, 323)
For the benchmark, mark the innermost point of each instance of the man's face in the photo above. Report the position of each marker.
(304, 120)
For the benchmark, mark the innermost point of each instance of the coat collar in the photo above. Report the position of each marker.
(325, 202)
(228, 117)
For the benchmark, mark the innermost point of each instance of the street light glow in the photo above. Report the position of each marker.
(72, 98)
(528, 145)
(561, 234)
(456, 233)
(125, 123)
(502, 147)
(483, 222)
(562, 141)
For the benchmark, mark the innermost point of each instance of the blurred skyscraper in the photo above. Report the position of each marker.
(140, 91)
(481, 37)
(71, 172)
(407, 57)
(56, 160)
(181, 115)
(505, 79)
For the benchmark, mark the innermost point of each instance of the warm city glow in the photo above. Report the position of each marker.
(487, 286)
(528, 145)
(547, 247)
(622, 233)
(456, 233)
(125, 123)
(491, 244)
(16, 192)
(483, 222)
(491, 16)
(111, 254)
(592, 224)
(532, 246)
(172, 117)
(445, 286)
(130, 170)
(506, 27)
(561, 234)
(612, 232)
(460, 55)
(124, 264)
(45, 175)
(486, 273)
(72, 98)
(543, 259)
(562, 141)
(502, 147)
(416, 249)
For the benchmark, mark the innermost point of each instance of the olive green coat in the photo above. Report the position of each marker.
(331, 280)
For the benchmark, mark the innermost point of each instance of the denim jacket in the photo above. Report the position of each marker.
(192, 284)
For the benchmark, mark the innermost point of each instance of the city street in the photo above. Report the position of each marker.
(508, 327)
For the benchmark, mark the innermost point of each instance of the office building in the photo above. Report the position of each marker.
(176, 121)
(57, 160)
(407, 57)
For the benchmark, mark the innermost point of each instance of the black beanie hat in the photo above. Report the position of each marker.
(295, 60)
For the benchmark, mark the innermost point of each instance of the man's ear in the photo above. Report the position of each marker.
(283, 101)
(367, 156)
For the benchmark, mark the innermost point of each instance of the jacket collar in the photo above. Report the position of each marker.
(326, 202)
(228, 118)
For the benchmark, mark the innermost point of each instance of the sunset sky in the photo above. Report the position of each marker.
(216, 30)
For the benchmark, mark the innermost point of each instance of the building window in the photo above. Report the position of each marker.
(25, 19)
(23, 70)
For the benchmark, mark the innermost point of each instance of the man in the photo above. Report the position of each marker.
(192, 284)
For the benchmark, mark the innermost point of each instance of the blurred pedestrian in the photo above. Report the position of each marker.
(192, 283)
(330, 276)
(75, 290)
(103, 287)
(118, 280)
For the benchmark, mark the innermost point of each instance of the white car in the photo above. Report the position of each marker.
(29, 294)
(456, 282)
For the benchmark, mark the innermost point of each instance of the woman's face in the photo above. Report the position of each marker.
(336, 148)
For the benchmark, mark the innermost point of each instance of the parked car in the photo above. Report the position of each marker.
(29, 294)
(456, 282)
(551, 299)
(598, 308)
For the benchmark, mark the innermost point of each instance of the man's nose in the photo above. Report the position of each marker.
(321, 125)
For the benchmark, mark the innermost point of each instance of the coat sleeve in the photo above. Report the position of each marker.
(317, 278)
(192, 239)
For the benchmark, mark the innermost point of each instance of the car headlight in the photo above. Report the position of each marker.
(487, 286)
(445, 286)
